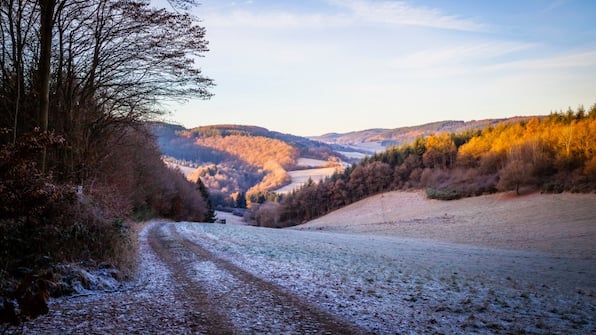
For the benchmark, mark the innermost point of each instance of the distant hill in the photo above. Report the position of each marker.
(308, 148)
(377, 139)
(238, 159)
(235, 159)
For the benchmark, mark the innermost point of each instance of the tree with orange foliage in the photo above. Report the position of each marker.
(440, 151)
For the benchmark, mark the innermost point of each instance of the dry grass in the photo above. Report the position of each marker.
(554, 223)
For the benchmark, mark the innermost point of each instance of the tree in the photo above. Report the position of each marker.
(440, 151)
(88, 69)
(518, 171)
(91, 73)
(209, 211)
(239, 199)
(46, 14)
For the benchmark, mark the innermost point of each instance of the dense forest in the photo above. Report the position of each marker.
(554, 153)
(78, 81)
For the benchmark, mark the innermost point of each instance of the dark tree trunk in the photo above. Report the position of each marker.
(45, 54)
(46, 12)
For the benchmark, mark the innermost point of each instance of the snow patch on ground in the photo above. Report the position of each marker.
(186, 170)
(310, 162)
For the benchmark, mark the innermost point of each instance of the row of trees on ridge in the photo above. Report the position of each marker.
(553, 153)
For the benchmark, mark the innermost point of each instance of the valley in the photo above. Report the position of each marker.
(397, 264)
(233, 159)
(297, 167)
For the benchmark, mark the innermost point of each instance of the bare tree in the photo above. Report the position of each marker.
(95, 67)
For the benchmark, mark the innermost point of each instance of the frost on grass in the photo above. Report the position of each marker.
(383, 284)
(389, 284)
(146, 305)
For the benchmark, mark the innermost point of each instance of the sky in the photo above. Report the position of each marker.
(319, 66)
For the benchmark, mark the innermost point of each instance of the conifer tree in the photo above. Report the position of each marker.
(210, 212)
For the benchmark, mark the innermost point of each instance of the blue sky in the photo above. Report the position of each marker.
(317, 66)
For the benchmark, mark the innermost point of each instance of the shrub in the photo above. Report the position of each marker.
(267, 215)
(44, 222)
(552, 187)
(442, 194)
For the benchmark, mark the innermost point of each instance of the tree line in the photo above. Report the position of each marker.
(78, 81)
(554, 153)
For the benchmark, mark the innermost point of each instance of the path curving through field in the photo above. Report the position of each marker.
(198, 278)
(235, 300)
(183, 288)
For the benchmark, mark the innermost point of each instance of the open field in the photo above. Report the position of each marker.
(554, 223)
(310, 162)
(394, 263)
(184, 169)
(301, 177)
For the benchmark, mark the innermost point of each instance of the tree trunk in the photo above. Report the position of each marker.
(46, 12)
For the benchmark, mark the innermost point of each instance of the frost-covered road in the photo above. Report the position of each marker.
(209, 278)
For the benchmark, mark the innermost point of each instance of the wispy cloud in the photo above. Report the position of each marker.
(554, 5)
(484, 59)
(459, 54)
(350, 12)
(275, 19)
(400, 12)
(580, 59)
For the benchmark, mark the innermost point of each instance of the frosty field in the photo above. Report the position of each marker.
(397, 265)
(399, 285)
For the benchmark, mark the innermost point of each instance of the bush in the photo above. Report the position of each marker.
(268, 215)
(552, 187)
(44, 222)
(442, 194)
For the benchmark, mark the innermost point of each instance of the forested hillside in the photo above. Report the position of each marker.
(78, 81)
(553, 154)
(404, 135)
(236, 161)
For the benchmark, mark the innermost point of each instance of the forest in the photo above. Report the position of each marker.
(553, 153)
(78, 82)
(238, 161)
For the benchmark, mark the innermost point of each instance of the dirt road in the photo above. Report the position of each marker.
(185, 289)
(482, 266)
(235, 300)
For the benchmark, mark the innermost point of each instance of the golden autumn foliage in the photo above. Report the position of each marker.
(271, 156)
(552, 153)
(255, 150)
(564, 144)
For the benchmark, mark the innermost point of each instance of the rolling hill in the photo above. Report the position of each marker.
(236, 159)
(379, 139)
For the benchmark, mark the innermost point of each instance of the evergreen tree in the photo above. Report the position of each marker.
(210, 212)
(240, 201)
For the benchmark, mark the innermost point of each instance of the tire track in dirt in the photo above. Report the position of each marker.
(234, 301)
(203, 318)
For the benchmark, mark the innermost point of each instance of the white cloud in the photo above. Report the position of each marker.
(400, 12)
(275, 19)
(355, 12)
(459, 54)
(565, 61)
